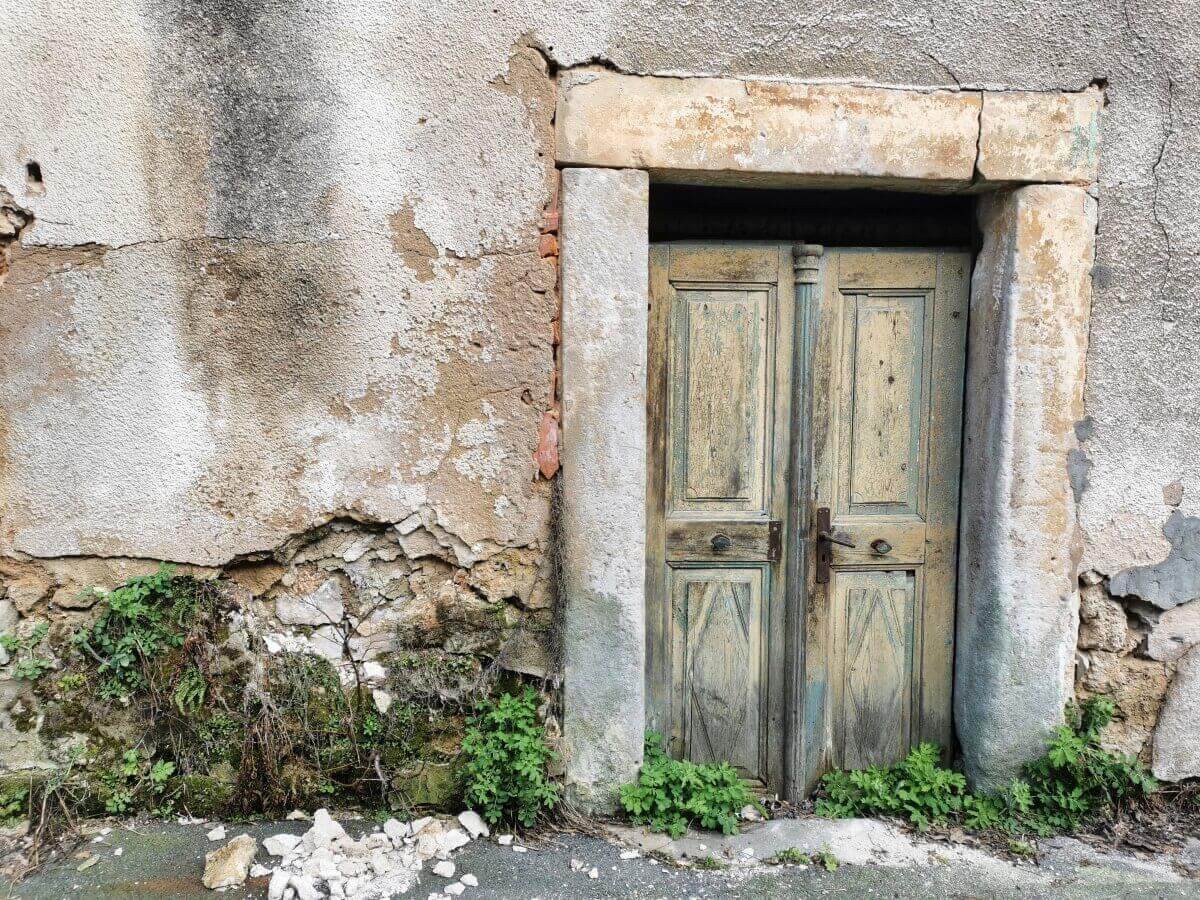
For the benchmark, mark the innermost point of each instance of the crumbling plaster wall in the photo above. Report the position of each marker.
(283, 264)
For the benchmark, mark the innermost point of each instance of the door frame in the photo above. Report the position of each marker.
(1029, 305)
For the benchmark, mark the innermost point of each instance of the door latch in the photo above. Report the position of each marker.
(826, 538)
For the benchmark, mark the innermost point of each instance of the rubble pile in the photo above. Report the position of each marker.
(327, 862)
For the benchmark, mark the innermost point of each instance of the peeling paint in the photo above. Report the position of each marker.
(1174, 580)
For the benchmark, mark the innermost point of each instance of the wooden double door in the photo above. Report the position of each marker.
(805, 414)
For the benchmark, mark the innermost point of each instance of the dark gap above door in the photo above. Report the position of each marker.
(855, 218)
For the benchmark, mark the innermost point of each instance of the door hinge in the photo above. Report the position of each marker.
(774, 540)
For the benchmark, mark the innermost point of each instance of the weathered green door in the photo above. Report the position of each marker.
(721, 323)
(804, 430)
(889, 337)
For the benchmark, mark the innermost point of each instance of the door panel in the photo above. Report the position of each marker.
(719, 379)
(887, 379)
(721, 330)
(881, 429)
(719, 659)
(874, 624)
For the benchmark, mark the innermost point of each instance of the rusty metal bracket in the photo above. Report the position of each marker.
(774, 541)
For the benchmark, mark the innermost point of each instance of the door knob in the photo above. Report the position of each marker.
(880, 546)
(721, 542)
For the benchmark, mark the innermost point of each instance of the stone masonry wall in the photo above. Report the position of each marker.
(280, 276)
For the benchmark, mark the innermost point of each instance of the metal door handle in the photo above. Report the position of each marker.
(824, 548)
(880, 546)
(721, 542)
(834, 539)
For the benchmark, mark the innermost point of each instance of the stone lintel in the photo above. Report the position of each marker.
(1018, 596)
(1036, 136)
(789, 134)
(720, 130)
(605, 286)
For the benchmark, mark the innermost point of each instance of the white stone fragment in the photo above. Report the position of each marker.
(258, 870)
(517, 849)
(298, 815)
(324, 831)
(418, 825)
(470, 880)
(382, 700)
(305, 887)
(630, 854)
(452, 840)
(455, 890)
(281, 844)
(277, 885)
(229, 865)
(396, 830)
(444, 869)
(373, 671)
(217, 834)
(593, 872)
(504, 840)
(473, 823)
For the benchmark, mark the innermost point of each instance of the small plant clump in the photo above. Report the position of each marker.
(142, 621)
(1076, 780)
(794, 856)
(27, 663)
(671, 795)
(505, 759)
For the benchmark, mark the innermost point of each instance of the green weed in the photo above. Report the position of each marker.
(505, 758)
(1076, 780)
(670, 795)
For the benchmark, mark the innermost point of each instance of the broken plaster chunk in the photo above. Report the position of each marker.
(418, 825)
(455, 890)
(228, 866)
(473, 823)
(382, 700)
(470, 880)
(444, 869)
(281, 844)
(396, 830)
(305, 887)
(324, 831)
(452, 840)
(504, 840)
(217, 834)
(278, 884)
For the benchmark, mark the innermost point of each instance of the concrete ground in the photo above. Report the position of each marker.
(875, 860)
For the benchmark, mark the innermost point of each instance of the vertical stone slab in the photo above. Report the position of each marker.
(605, 286)
(1018, 596)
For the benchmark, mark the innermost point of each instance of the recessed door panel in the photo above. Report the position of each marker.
(719, 379)
(883, 366)
(720, 660)
(875, 614)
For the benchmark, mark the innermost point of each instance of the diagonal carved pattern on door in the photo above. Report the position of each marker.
(718, 613)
